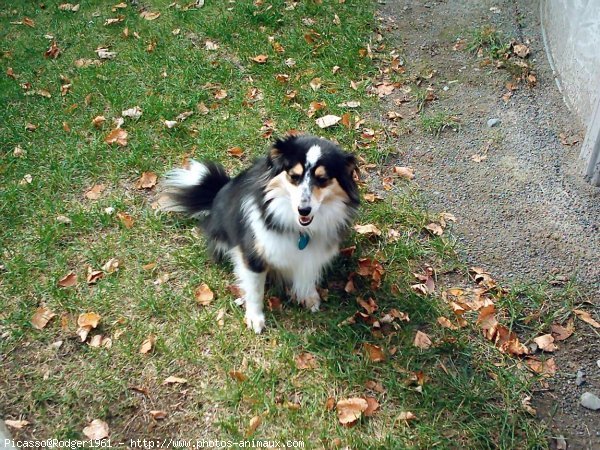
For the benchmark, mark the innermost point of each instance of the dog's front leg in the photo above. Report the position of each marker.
(304, 288)
(252, 282)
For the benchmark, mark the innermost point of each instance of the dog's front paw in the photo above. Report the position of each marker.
(256, 321)
(311, 302)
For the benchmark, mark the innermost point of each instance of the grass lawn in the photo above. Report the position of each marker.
(464, 392)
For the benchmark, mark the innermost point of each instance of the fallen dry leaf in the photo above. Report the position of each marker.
(111, 266)
(586, 317)
(148, 15)
(174, 380)
(406, 416)
(328, 121)
(103, 53)
(545, 368)
(96, 430)
(350, 410)
(405, 172)
(372, 406)
(236, 152)
(17, 424)
(53, 51)
(368, 229)
(435, 229)
(561, 333)
(422, 340)
(306, 361)
(146, 181)
(446, 323)
(133, 113)
(125, 219)
(98, 121)
(69, 7)
(260, 59)
(148, 344)
(374, 352)
(93, 275)
(41, 317)
(521, 50)
(545, 343)
(117, 136)
(253, 425)
(69, 280)
(375, 386)
(237, 375)
(203, 294)
(158, 414)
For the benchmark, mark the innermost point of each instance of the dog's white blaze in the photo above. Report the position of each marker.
(313, 155)
(182, 178)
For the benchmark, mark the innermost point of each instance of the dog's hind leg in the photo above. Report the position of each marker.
(251, 280)
(304, 287)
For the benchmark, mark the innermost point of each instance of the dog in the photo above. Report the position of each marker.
(285, 215)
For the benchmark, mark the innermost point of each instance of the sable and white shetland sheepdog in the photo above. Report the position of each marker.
(286, 214)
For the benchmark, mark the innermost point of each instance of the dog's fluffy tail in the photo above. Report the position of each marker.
(192, 190)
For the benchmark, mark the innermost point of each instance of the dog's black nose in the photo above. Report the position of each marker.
(304, 211)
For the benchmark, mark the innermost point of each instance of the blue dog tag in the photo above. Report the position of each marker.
(303, 241)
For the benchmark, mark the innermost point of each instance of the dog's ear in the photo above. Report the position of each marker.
(281, 150)
(352, 166)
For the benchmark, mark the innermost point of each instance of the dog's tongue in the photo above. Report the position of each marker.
(304, 220)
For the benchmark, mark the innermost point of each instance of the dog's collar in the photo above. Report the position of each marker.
(303, 241)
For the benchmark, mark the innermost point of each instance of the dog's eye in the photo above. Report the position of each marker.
(295, 177)
(321, 181)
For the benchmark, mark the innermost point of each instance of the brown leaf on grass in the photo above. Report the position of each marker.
(93, 275)
(148, 15)
(82, 63)
(372, 197)
(69, 7)
(158, 414)
(368, 305)
(112, 265)
(86, 322)
(350, 410)
(422, 340)
(521, 50)
(237, 375)
(406, 416)
(375, 386)
(404, 172)
(435, 229)
(29, 22)
(545, 343)
(306, 361)
(95, 192)
(41, 317)
(328, 121)
(148, 345)
(260, 59)
(220, 94)
(586, 317)
(204, 295)
(53, 51)
(117, 136)
(125, 219)
(372, 406)
(545, 368)
(96, 430)
(374, 352)
(314, 107)
(69, 280)
(374, 269)
(368, 229)
(236, 152)
(98, 121)
(146, 181)
(348, 251)
(329, 403)
(17, 424)
(346, 120)
(253, 425)
(174, 380)
(561, 333)
(446, 323)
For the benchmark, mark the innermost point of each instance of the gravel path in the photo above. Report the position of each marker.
(524, 212)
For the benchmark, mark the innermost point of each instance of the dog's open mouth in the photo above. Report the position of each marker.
(305, 220)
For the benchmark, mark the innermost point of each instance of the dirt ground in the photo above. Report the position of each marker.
(524, 212)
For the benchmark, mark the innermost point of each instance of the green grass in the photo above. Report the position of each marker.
(435, 123)
(472, 394)
(488, 41)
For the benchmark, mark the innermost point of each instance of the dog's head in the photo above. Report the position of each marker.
(315, 178)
